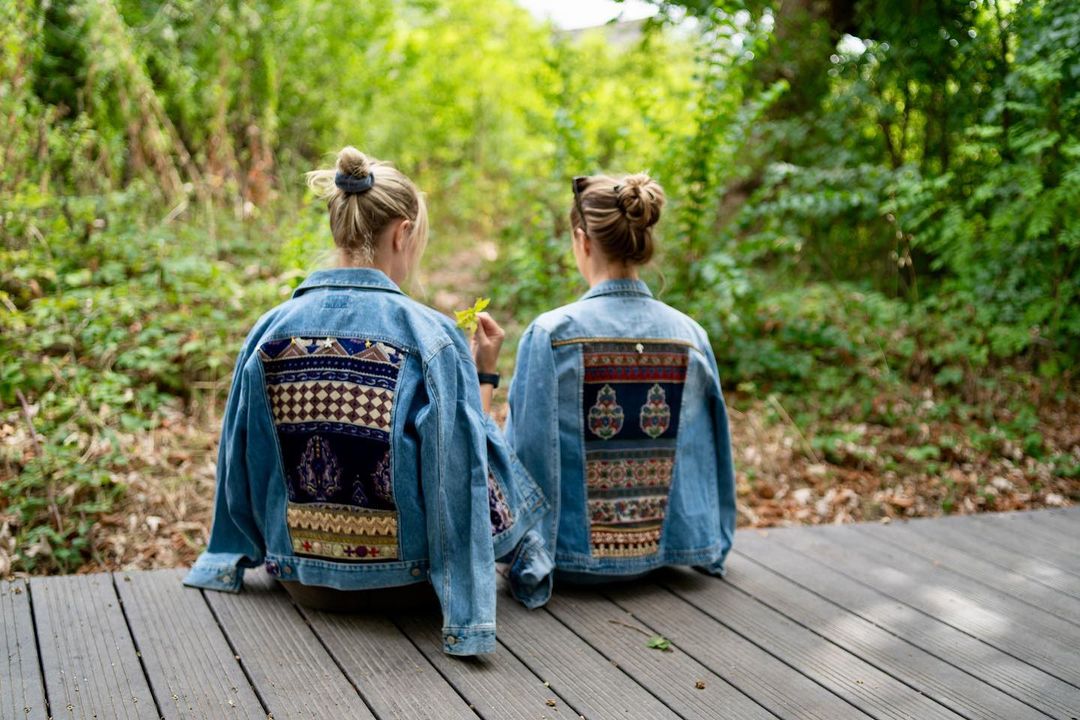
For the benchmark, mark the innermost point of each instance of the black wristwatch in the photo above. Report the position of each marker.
(491, 379)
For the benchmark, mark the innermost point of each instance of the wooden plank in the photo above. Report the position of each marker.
(1018, 534)
(1013, 676)
(671, 676)
(1002, 537)
(876, 541)
(1007, 624)
(877, 546)
(21, 691)
(1065, 520)
(292, 672)
(768, 679)
(392, 675)
(90, 663)
(1020, 679)
(860, 683)
(974, 567)
(497, 686)
(965, 538)
(191, 668)
(1035, 523)
(590, 685)
(952, 687)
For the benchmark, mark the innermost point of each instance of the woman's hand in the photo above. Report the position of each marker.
(486, 343)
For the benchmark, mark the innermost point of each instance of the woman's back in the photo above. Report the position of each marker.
(356, 453)
(616, 410)
(639, 434)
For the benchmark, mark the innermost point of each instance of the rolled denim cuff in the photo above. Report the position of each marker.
(472, 640)
(531, 572)
(527, 502)
(715, 568)
(218, 571)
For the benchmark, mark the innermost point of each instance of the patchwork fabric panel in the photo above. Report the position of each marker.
(632, 393)
(332, 400)
(498, 508)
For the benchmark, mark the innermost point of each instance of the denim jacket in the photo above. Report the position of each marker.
(355, 454)
(616, 410)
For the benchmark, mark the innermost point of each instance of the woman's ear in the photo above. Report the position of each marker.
(401, 235)
(583, 241)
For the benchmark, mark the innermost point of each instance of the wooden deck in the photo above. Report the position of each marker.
(948, 618)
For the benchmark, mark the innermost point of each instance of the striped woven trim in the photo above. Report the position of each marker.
(351, 521)
(610, 541)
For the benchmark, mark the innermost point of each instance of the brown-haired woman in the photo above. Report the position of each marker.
(616, 410)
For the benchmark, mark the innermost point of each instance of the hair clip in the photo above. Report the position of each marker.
(353, 185)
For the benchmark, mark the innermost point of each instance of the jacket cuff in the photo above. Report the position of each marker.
(531, 572)
(474, 640)
(218, 571)
(527, 501)
(715, 568)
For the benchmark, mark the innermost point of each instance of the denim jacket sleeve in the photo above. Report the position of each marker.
(236, 541)
(725, 467)
(533, 430)
(453, 476)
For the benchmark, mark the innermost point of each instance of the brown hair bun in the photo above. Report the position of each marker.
(641, 198)
(620, 215)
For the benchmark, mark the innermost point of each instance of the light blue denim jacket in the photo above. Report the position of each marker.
(355, 454)
(616, 410)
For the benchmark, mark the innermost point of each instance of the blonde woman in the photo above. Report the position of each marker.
(356, 451)
(616, 410)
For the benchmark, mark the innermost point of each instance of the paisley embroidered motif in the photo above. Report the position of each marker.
(655, 413)
(605, 417)
(319, 473)
(381, 480)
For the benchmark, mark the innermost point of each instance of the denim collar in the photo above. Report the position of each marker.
(365, 278)
(618, 287)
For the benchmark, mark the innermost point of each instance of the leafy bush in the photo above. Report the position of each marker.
(118, 317)
(865, 202)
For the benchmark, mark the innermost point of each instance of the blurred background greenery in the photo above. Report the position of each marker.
(873, 211)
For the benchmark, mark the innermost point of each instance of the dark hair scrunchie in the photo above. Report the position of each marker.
(354, 185)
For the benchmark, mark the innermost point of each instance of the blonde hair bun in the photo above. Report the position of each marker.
(351, 161)
(641, 198)
(358, 217)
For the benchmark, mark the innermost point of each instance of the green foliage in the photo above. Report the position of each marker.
(942, 167)
(862, 198)
(466, 319)
(118, 318)
(659, 642)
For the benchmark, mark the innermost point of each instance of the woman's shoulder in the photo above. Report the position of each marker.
(582, 319)
(688, 324)
(396, 319)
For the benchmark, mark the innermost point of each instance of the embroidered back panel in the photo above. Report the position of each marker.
(631, 397)
(332, 400)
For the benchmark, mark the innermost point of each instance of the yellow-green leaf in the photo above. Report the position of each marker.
(466, 319)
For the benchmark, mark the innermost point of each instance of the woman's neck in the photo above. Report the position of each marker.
(379, 262)
(612, 272)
